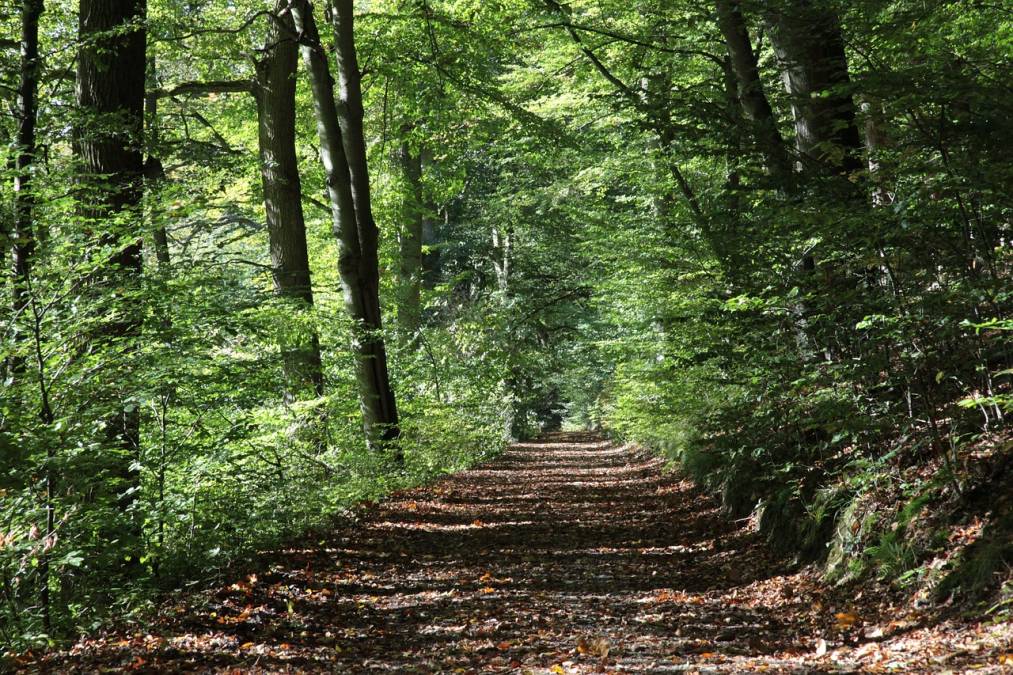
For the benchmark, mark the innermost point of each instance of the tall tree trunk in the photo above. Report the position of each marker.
(752, 98)
(357, 239)
(807, 39)
(410, 241)
(110, 96)
(26, 111)
(279, 170)
(23, 251)
(350, 118)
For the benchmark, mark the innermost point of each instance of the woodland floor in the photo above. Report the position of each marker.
(565, 555)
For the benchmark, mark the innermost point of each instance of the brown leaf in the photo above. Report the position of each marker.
(845, 620)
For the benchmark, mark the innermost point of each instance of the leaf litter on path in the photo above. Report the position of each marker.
(568, 554)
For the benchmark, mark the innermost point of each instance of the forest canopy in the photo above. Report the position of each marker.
(265, 261)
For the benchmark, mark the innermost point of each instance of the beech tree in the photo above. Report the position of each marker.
(343, 153)
(274, 92)
(768, 240)
(108, 143)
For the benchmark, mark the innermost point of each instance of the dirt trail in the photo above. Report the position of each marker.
(565, 555)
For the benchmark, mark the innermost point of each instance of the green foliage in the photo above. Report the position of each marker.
(606, 249)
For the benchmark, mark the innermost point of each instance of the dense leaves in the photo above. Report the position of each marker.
(768, 240)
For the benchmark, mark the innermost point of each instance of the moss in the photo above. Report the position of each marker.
(851, 528)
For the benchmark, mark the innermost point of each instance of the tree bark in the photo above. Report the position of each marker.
(279, 170)
(752, 98)
(26, 112)
(351, 214)
(807, 40)
(110, 96)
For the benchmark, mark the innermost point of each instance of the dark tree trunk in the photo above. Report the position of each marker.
(110, 95)
(279, 170)
(23, 251)
(352, 217)
(410, 241)
(350, 116)
(807, 39)
(752, 99)
(26, 111)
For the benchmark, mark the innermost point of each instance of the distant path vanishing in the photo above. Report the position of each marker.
(568, 554)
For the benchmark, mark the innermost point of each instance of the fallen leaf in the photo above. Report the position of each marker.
(593, 646)
(845, 620)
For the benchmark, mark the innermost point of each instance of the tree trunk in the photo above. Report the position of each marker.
(26, 112)
(752, 99)
(110, 96)
(357, 239)
(279, 170)
(350, 117)
(430, 231)
(413, 215)
(154, 172)
(876, 141)
(807, 39)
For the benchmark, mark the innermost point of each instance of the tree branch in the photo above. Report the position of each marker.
(206, 88)
(628, 39)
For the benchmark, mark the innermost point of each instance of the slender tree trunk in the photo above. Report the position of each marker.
(154, 172)
(876, 141)
(430, 231)
(279, 170)
(410, 241)
(502, 245)
(357, 240)
(807, 39)
(110, 95)
(23, 252)
(26, 111)
(752, 98)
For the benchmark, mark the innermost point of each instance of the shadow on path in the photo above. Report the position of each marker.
(540, 561)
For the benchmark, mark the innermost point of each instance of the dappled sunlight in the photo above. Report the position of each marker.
(509, 567)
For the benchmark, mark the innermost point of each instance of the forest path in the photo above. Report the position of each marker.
(564, 555)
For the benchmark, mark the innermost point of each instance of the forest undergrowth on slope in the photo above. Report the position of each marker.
(263, 262)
